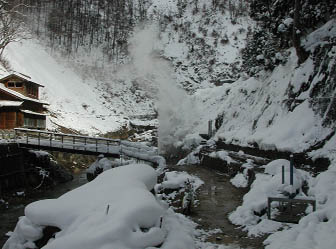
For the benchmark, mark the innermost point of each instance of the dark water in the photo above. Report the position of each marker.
(10, 216)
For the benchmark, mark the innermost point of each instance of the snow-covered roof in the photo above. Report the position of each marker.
(34, 113)
(20, 96)
(8, 103)
(20, 76)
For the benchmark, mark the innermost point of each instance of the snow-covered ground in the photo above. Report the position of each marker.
(116, 210)
(315, 230)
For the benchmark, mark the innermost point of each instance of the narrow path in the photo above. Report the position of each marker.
(217, 198)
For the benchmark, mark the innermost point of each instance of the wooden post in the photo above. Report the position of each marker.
(85, 143)
(27, 136)
(50, 138)
(39, 139)
(108, 147)
(62, 138)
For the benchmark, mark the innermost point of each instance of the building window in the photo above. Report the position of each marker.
(41, 123)
(29, 122)
(15, 84)
(11, 84)
(34, 123)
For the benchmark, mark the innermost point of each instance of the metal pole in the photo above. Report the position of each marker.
(210, 128)
(291, 170)
(96, 145)
(269, 208)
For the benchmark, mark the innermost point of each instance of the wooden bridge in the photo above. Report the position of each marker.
(76, 144)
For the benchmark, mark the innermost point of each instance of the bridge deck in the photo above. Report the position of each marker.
(85, 145)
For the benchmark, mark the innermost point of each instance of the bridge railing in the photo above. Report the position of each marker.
(68, 141)
(79, 144)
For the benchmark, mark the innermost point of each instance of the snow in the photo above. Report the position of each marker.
(116, 210)
(317, 230)
(319, 36)
(34, 113)
(4, 103)
(267, 185)
(192, 158)
(175, 180)
(239, 181)
(222, 155)
(159, 7)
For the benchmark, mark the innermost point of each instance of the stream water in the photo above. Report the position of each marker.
(217, 198)
(9, 216)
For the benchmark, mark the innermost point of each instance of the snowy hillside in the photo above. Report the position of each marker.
(186, 64)
(259, 111)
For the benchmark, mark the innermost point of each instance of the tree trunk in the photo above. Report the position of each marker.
(301, 53)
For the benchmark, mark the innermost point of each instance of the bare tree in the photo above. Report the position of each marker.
(11, 24)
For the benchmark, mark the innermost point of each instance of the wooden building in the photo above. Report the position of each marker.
(19, 103)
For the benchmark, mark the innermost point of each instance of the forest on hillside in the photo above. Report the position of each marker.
(106, 24)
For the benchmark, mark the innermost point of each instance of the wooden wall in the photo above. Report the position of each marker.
(8, 120)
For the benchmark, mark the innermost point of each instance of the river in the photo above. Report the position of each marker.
(10, 216)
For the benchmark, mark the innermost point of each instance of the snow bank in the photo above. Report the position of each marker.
(317, 230)
(266, 185)
(116, 210)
